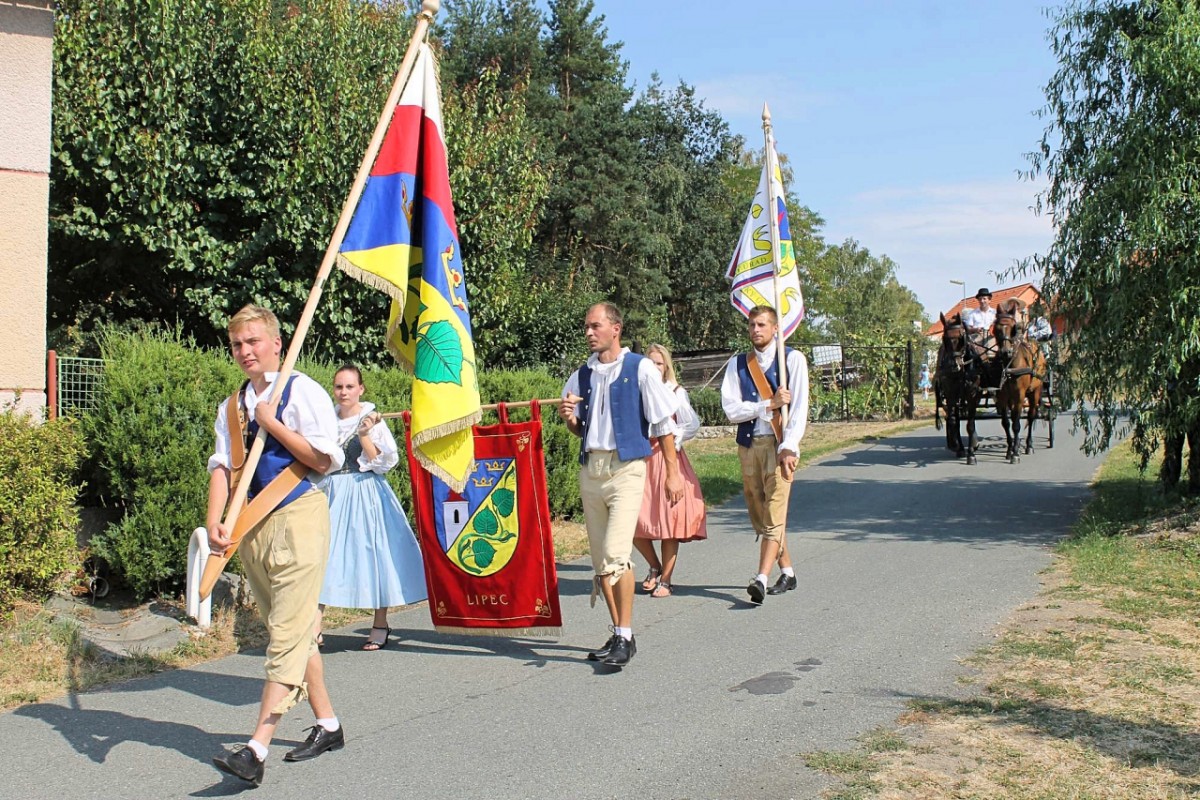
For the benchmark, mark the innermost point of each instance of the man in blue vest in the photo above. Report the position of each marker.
(284, 555)
(615, 402)
(752, 397)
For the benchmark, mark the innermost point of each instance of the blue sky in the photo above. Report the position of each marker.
(906, 123)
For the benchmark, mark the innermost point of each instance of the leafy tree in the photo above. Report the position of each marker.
(686, 151)
(594, 230)
(500, 35)
(203, 150)
(1121, 150)
(857, 297)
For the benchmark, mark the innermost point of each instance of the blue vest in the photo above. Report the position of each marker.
(745, 430)
(630, 427)
(275, 457)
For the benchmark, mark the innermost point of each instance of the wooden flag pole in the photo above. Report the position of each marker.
(217, 561)
(773, 215)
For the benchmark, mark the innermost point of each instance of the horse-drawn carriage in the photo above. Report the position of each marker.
(1006, 376)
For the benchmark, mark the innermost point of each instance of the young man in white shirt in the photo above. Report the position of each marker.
(284, 555)
(979, 323)
(767, 449)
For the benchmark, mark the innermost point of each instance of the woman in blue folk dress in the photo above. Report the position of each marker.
(374, 559)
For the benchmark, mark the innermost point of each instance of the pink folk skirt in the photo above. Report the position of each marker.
(658, 519)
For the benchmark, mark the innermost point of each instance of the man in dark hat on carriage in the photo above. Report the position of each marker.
(979, 324)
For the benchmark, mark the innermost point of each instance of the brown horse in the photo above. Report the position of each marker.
(956, 386)
(1021, 379)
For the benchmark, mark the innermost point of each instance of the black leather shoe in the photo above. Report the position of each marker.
(622, 651)
(241, 763)
(318, 742)
(785, 584)
(757, 591)
(602, 653)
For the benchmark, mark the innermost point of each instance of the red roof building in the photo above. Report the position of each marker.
(1027, 293)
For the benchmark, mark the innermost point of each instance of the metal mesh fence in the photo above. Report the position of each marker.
(77, 385)
(846, 382)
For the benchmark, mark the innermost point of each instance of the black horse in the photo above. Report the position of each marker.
(956, 386)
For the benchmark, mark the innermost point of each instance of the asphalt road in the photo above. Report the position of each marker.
(907, 560)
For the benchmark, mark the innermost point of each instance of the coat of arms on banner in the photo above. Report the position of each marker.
(478, 528)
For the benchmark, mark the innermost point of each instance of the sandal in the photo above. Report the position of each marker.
(320, 640)
(372, 646)
(664, 588)
(651, 580)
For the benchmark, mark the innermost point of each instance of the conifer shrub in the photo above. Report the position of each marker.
(38, 516)
(706, 403)
(150, 438)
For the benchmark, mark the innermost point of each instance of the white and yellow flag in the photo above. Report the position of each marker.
(752, 269)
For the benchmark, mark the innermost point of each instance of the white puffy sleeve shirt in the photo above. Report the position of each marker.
(658, 401)
(687, 421)
(739, 410)
(309, 412)
(381, 437)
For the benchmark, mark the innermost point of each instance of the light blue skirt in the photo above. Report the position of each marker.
(374, 559)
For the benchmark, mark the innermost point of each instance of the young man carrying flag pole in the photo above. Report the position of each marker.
(286, 589)
(770, 410)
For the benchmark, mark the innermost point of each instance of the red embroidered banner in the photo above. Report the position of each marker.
(488, 550)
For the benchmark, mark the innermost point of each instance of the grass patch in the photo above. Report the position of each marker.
(839, 763)
(883, 740)
(1111, 622)
(720, 473)
(1016, 645)
(1092, 695)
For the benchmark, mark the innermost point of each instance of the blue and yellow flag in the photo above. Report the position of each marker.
(403, 240)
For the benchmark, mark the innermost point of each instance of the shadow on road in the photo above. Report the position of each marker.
(95, 733)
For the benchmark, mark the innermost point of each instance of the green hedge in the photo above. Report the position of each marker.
(38, 516)
(150, 437)
(152, 433)
(706, 403)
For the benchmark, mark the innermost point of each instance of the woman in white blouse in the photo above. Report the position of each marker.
(374, 559)
(659, 520)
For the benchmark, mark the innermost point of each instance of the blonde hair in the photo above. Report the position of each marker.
(669, 372)
(251, 313)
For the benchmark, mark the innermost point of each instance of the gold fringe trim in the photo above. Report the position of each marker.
(371, 279)
(446, 428)
(436, 432)
(509, 633)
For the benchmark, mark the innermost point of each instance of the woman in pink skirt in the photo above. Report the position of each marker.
(658, 520)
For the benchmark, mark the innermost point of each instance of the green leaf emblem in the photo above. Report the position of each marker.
(486, 522)
(439, 354)
(484, 552)
(503, 500)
